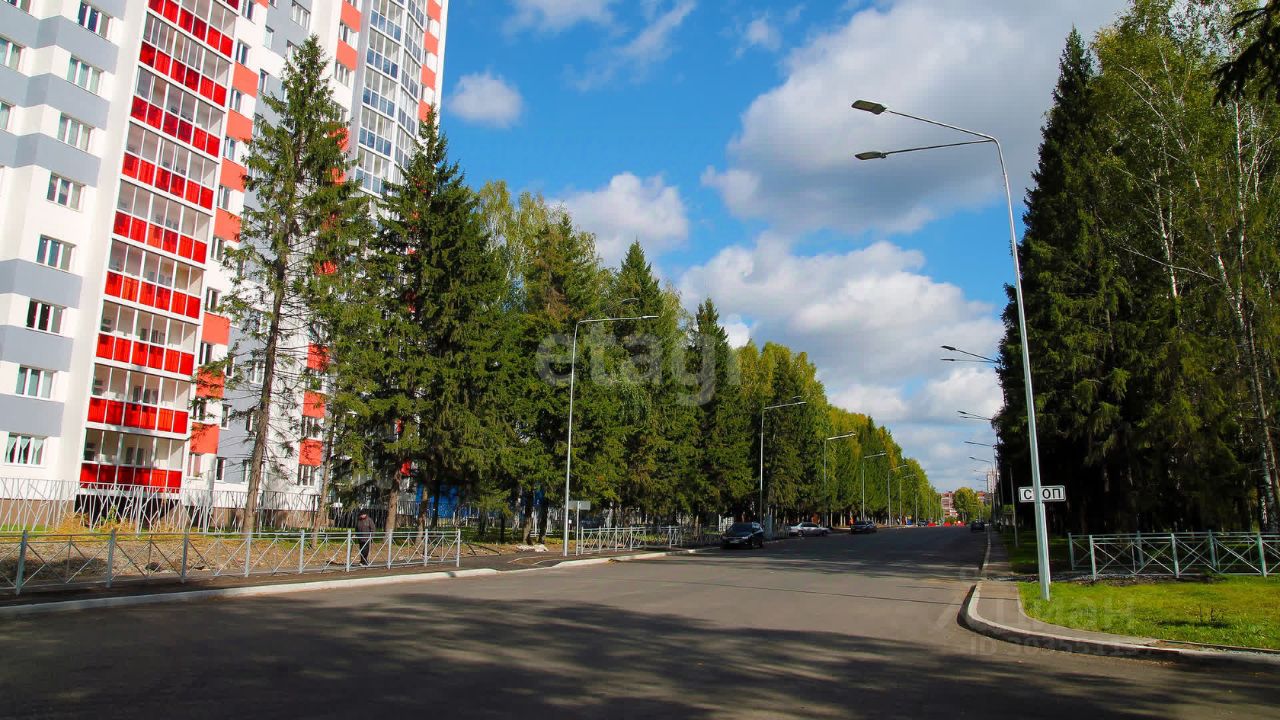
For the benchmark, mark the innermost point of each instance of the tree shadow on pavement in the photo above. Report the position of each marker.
(426, 652)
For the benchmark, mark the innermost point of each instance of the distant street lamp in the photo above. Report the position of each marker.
(1042, 538)
(889, 488)
(862, 471)
(568, 453)
(1012, 499)
(825, 488)
(794, 401)
(979, 358)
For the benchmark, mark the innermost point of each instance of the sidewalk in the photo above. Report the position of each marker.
(994, 608)
(469, 565)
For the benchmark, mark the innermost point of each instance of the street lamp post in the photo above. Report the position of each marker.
(760, 507)
(1013, 500)
(825, 487)
(1042, 539)
(862, 471)
(888, 488)
(568, 453)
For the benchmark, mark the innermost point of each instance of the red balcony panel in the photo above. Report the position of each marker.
(164, 420)
(193, 306)
(115, 412)
(206, 198)
(131, 165)
(122, 350)
(138, 232)
(204, 438)
(129, 289)
(147, 54)
(155, 356)
(199, 251)
(215, 330)
(185, 248)
(210, 384)
(106, 344)
(171, 12)
(147, 294)
(114, 282)
(220, 94)
(192, 194)
(139, 354)
(170, 243)
(120, 225)
(179, 422)
(186, 364)
(155, 116)
(88, 474)
(310, 452)
(163, 296)
(97, 410)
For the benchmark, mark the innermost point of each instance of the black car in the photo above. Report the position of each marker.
(862, 526)
(977, 526)
(743, 534)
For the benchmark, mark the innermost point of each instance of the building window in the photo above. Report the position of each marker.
(34, 382)
(433, 27)
(268, 36)
(54, 253)
(10, 53)
(73, 132)
(24, 450)
(242, 52)
(218, 249)
(206, 353)
(83, 74)
(211, 299)
(229, 148)
(64, 192)
(263, 76)
(308, 475)
(251, 420)
(300, 15)
(312, 427)
(342, 74)
(93, 19)
(246, 9)
(44, 317)
(237, 99)
(200, 410)
(224, 197)
(220, 469)
(226, 416)
(254, 372)
(5, 110)
(346, 34)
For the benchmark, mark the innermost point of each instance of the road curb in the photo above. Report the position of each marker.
(252, 591)
(986, 557)
(971, 619)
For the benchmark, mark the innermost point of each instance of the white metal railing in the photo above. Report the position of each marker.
(679, 536)
(1227, 553)
(610, 539)
(31, 504)
(30, 561)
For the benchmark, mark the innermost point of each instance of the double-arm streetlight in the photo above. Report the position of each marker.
(825, 487)
(1013, 501)
(862, 471)
(1042, 540)
(973, 357)
(794, 401)
(568, 453)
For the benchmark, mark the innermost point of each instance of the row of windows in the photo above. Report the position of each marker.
(308, 475)
(34, 382)
(162, 212)
(167, 155)
(24, 450)
(207, 21)
(179, 102)
(54, 253)
(109, 447)
(45, 317)
(185, 60)
(148, 328)
(93, 19)
(64, 192)
(141, 388)
(154, 268)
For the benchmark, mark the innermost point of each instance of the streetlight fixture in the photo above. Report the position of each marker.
(1042, 538)
(795, 400)
(977, 358)
(824, 469)
(888, 488)
(862, 471)
(568, 453)
(1012, 499)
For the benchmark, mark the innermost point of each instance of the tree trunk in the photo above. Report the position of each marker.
(322, 508)
(263, 434)
(393, 501)
(526, 517)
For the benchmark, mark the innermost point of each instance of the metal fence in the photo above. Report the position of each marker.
(593, 541)
(1230, 553)
(31, 561)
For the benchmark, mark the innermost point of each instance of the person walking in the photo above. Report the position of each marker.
(364, 529)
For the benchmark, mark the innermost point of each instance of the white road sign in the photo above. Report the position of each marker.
(1048, 493)
(579, 504)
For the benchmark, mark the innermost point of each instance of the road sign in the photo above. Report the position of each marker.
(579, 504)
(1048, 493)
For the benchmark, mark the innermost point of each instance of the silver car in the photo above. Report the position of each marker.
(805, 529)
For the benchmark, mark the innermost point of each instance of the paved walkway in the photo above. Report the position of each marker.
(501, 562)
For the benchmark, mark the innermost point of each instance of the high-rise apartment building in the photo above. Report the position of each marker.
(123, 125)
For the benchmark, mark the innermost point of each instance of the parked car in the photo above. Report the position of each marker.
(977, 526)
(807, 528)
(743, 534)
(862, 526)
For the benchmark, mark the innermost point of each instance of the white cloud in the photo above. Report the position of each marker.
(762, 32)
(872, 323)
(738, 331)
(486, 99)
(630, 208)
(647, 48)
(961, 62)
(553, 16)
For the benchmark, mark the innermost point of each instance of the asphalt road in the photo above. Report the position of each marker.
(837, 627)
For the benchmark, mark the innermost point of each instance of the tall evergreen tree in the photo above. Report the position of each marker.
(303, 217)
(722, 442)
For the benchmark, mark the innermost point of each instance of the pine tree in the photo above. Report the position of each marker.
(723, 439)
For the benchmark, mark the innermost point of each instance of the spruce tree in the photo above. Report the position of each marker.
(302, 218)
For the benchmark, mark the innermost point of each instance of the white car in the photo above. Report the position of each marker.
(807, 528)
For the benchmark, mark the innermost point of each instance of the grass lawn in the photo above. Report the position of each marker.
(1241, 611)
(1022, 559)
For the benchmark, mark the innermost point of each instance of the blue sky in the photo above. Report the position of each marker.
(719, 134)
